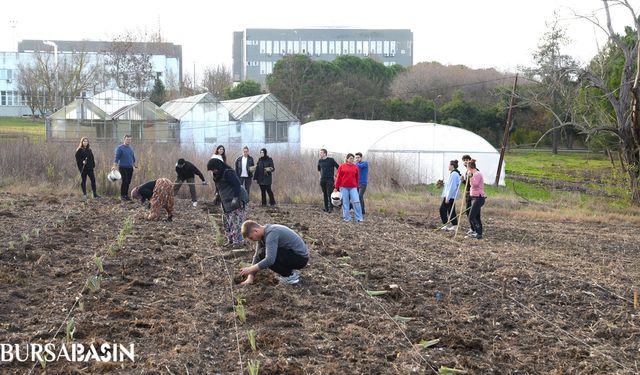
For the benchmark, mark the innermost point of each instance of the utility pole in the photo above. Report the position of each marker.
(505, 136)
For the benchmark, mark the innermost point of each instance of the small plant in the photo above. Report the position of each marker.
(449, 371)
(402, 319)
(344, 259)
(113, 249)
(128, 226)
(70, 329)
(358, 273)
(25, 237)
(120, 239)
(43, 362)
(51, 171)
(240, 310)
(93, 283)
(81, 306)
(423, 344)
(35, 232)
(98, 261)
(253, 366)
(375, 293)
(251, 335)
(12, 245)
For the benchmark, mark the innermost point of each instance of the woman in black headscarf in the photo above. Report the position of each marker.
(262, 175)
(233, 198)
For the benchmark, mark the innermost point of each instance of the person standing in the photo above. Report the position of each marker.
(327, 167)
(363, 169)
(86, 164)
(220, 153)
(347, 182)
(467, 188)
(233, 198)
(159, 193)
(263, 176)
(187, 172)
(245, 168)
(125, 161)
(278, 248)
(478, 198)
(449, 194)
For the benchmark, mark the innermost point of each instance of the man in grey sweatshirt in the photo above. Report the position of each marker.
(278, 248)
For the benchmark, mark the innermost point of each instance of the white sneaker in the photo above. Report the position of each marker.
(470, 231)
(292, 279)
(471, 235)
(195, 204)
(446, 227)
(452, 228)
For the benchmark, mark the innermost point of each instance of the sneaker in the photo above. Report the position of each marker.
(470, 231)
(478, 237)
(452, 227)
(96, 196)
(84, 197)
(472, 235)
(294, 278)
(195, 204)
(447, 227)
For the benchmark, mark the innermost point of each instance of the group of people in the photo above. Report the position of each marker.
(350, 180)
(474, 197)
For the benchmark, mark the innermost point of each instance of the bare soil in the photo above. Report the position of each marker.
(531, 297)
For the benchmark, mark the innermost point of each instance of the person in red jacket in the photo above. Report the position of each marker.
(347, 183)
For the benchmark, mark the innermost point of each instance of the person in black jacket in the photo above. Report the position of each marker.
(86, 165)
(245, 168)
(233, 198)
(327, 167)
(264, 169)
(187, 172)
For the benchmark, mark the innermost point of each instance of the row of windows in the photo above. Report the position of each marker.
(10, 98)
(331, 47)
(6, 74)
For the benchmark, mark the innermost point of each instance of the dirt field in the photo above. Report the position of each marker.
(532, 297)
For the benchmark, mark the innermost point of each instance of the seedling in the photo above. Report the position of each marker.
(12, 245)
(128, 226)
(402, 319)
(240, 311)
(98, 261)
(81, 306)
(70, 329)
(344, 259)
(25, 237)
(253, 366)
(358, 273)
(251, 335)
(35, 232)
(93, 283)
(375, 293)
(427, 343)
(43, 362)
(449, 371)
(113, 249)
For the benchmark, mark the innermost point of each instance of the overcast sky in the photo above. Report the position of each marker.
(477, 33)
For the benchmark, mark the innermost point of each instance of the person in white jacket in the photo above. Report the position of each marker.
(449, 194)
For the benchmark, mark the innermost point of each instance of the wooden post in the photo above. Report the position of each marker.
(505, 136)
(635, 299)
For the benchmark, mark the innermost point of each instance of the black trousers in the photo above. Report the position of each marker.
(83, 184)
(326, 184)
(474, 214)
(286, 261)
(448, 211)
(192, 187)
(247, 185)
(467, 203)
(361, 190)
(127, 176)
(264, 190)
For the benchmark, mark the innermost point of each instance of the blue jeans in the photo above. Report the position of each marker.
(350, 194)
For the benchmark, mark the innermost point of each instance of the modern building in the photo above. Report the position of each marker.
(166, 60)
(255, 51)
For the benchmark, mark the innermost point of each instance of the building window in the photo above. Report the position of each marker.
(359, 47)
(296, 47)
(263, 47)
(338, 47)
(289, 46)
(283, 47)
(332, 47)
(263, 67)
(393, 47)
(276, 46)
(269, 50)
(324, 47)
(276, 131)
(365, 47)
(318, 47)
(3, 98)
(385, 47)
(352, 47)
(303, 47)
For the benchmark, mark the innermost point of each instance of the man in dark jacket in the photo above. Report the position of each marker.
(187, 172)
(327, 167)
(245, 168)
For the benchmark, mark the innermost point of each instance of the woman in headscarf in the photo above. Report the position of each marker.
(233, 198)
(160, 193)
(262, 175)
(86, 164)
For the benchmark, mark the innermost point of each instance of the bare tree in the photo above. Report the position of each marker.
(130, 65)
(216, 80)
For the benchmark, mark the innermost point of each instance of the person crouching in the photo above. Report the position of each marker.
(159, 193)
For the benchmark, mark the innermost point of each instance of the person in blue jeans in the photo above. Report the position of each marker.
(125, 161)
(347, 182)
(363, 169)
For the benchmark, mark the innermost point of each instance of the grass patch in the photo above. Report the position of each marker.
(567, 167)
(19, 126)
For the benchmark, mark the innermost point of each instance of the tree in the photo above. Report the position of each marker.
(129, 64)
(557, 82)
(158, 94)
(217, 80)
(623, 98)
(244, 89)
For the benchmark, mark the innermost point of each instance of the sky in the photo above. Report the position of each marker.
(501, 34)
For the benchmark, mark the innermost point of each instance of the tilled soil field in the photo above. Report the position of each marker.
(532, 297)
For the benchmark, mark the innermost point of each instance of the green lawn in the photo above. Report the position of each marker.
(15, 126)
(568, 167)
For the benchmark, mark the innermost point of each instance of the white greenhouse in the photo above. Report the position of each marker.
(421, 150)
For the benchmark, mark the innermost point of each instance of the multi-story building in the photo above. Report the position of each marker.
(166, 61)
(255, 51)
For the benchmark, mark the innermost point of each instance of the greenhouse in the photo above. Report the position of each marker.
(421, 151)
